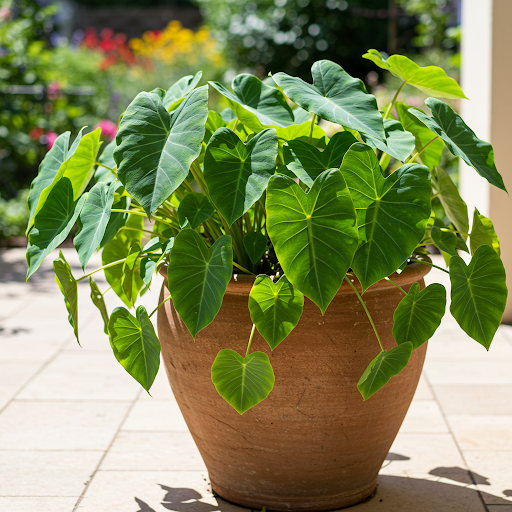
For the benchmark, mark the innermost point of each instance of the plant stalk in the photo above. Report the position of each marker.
(250, 339)
(429, 264)
(161, 304)
(393, 101)
(313, 119)
(394, 284)
(421, 150)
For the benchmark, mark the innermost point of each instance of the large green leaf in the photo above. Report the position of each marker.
(255, 245)
(198, 277)
(68, 287)
(94, 218)
(129, 271)
(392, 212)
(196, 208)
(255, 103)
(237, 174)
(446, 241)
(155, 149)
(383, 367)
(399, 143)
(275, 308)
(106, 159)
(460, 139)
(135, 344)
(335, 96)
(78, 168)
(479, 294)
(314, 234)
(53, 223)
(431, 155)
(483, 233)
(117, 219)
(242, 381)
(454, 206)
(301, 132)
(308, 162)
(431, 80)
(180, 89)
(213, 123)
(99, 302)
(419, 314)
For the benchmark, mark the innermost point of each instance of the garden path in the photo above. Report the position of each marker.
(78, 434)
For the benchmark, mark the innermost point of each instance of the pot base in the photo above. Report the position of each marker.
(317, 504)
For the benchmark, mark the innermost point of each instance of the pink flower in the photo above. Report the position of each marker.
(108, 129)
(50, 140)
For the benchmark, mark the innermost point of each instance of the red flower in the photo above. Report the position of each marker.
(36, 132)
(108, 129)
(50, 140)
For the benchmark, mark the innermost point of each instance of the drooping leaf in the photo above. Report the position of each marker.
(309, 162)
(392, 212)
(419, 314)
(431, 80)
(275, 308)
(99, 302)
(117, 219)
(445, 241)
(301, 132)
(431, 155)
(399, 143)
(180, 89)
(148, 269)
(242, 381)
(255, 245)
(94, 218)
(314, 234)
(335, 96)
(68, 287)
(135, 344)
(198, 277)
(454, 207)
(155, 149)
(53, 223)
(196, 208)
(237, 174)
(483, 233)
(460, 139)
(383, 367)
(106, 159)
(255, 103)
(129, 272)
(479, 294)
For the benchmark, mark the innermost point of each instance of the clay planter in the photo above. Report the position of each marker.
(313, 444)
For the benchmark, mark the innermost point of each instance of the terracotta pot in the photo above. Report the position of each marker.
(313, 444)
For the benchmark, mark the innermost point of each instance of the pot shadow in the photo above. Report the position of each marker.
(460, 475)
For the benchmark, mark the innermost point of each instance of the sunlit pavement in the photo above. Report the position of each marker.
(78, 434)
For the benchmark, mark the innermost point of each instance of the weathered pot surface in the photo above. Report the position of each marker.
(313, 444)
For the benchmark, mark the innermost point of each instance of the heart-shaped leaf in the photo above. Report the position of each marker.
(454, 207)
(237, 174)
(308, 162)
(155, 149)
(483, 233)
(383, 367)
(431, 155)
(135, 344)
(431, 80)
(53, 223)
(460, 139)
(180, 89)
(255, 103)
(275, 308)
(99, 302)
(335, 96)
(196, 208)
(445, 241)
(399, 143)
(314, 234)
(479, 294)
(242, 381)
(392, 212)
(68, 287)
(198, 277)
(419, 314)
(255, 245)
(94, 218)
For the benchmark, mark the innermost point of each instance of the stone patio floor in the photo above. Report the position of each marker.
(77, 433)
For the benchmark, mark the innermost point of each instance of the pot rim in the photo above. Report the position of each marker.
(241, 284)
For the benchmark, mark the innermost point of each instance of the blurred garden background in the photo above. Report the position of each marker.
(66, 64)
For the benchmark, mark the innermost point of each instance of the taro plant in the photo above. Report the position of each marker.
(259, 189)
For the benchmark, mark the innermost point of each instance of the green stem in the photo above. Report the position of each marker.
(429, 264)
(111, 170)
(421, 150)
(101, 268)
(250, 339)
(161, 304)
(239, 267)
(393, 101)
(366, 310)
(313, 119)
(393, 283)
(145, 230)
(382, 158)
(198, 176)
(236, 123)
